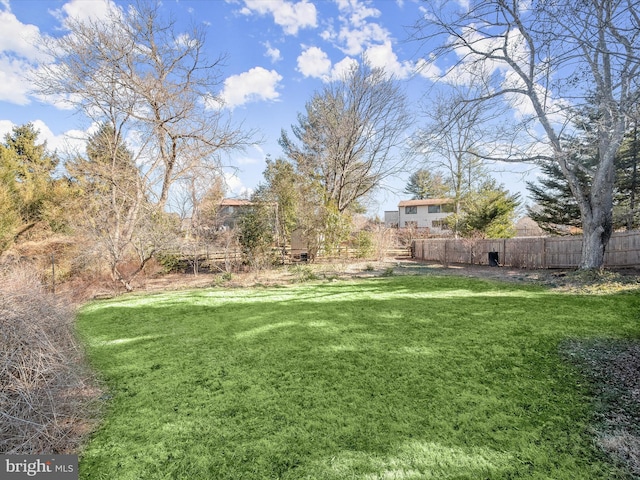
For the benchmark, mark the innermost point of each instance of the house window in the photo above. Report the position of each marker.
(441, 224)
(410, 210)
(434, 208)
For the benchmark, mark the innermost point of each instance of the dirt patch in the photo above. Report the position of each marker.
(561, 280)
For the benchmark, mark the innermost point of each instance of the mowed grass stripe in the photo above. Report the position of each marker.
(400, 377)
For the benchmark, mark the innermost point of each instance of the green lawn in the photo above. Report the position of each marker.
(389, 378)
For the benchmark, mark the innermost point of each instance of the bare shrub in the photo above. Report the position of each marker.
(45, 392)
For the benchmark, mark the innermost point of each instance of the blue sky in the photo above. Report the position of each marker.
(278, 52)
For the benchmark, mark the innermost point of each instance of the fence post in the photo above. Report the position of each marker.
(544, 252)
(504, 251)
(446, 260)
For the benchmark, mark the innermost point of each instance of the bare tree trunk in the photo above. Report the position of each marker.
(596, 233)
(597, 212)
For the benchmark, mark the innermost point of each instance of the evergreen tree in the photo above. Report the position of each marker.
(255, 234)
(423, 184)
(489, 212)
(555, 206)
(108, 168)
(34, 170)
(625, 211)
(280, 190)
(30, 193)
(9, 199)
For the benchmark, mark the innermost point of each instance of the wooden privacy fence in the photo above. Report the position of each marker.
(623, 250)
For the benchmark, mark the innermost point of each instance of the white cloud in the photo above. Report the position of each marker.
(428, 69)
(290, 16)
(357, 10)
(341, 68)
(13, 87)
(382, 56)
(272, 52)
(235, 187)
(313, 62)
(18, 37)
(253, 85)
(69, 141)
(18, 54)
(5, 127)
(356, 33)
(355, 41)
(83, 10)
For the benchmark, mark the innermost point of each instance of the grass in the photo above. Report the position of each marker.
(389, 378)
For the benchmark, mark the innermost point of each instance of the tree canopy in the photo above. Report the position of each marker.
(424, 184)
(539, 58)
(31, 192)
(348, 138)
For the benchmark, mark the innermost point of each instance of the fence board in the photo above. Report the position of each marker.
(623, 250)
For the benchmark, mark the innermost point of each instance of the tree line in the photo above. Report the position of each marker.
(526, 87)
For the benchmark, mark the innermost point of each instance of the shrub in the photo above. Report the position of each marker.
(303, 273)
(171, 262)
(44, 394)
(388, 272)
(365, 246)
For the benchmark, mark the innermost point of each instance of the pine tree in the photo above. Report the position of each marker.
(423, 184)
(556, 208)
(489, 212)
(30, 192)
(626, 212)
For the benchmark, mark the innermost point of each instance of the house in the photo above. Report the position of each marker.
(391, 218)
(228, 212)
(428, 213)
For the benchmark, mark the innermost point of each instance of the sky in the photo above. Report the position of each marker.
(277, 54)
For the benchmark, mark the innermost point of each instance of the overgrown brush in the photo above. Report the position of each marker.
(45, 393)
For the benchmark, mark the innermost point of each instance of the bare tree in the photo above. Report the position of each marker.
(156, 90)
(350, 134)
(450, 142)
(117, 214)
(541, 58)
(136, 71)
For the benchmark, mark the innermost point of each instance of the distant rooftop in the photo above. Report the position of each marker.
(426, 201)
(234, 202)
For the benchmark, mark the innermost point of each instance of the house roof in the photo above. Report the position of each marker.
(234, 202)
(426, 201)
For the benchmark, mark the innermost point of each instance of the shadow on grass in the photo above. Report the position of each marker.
(389, 378)
(611, 368)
